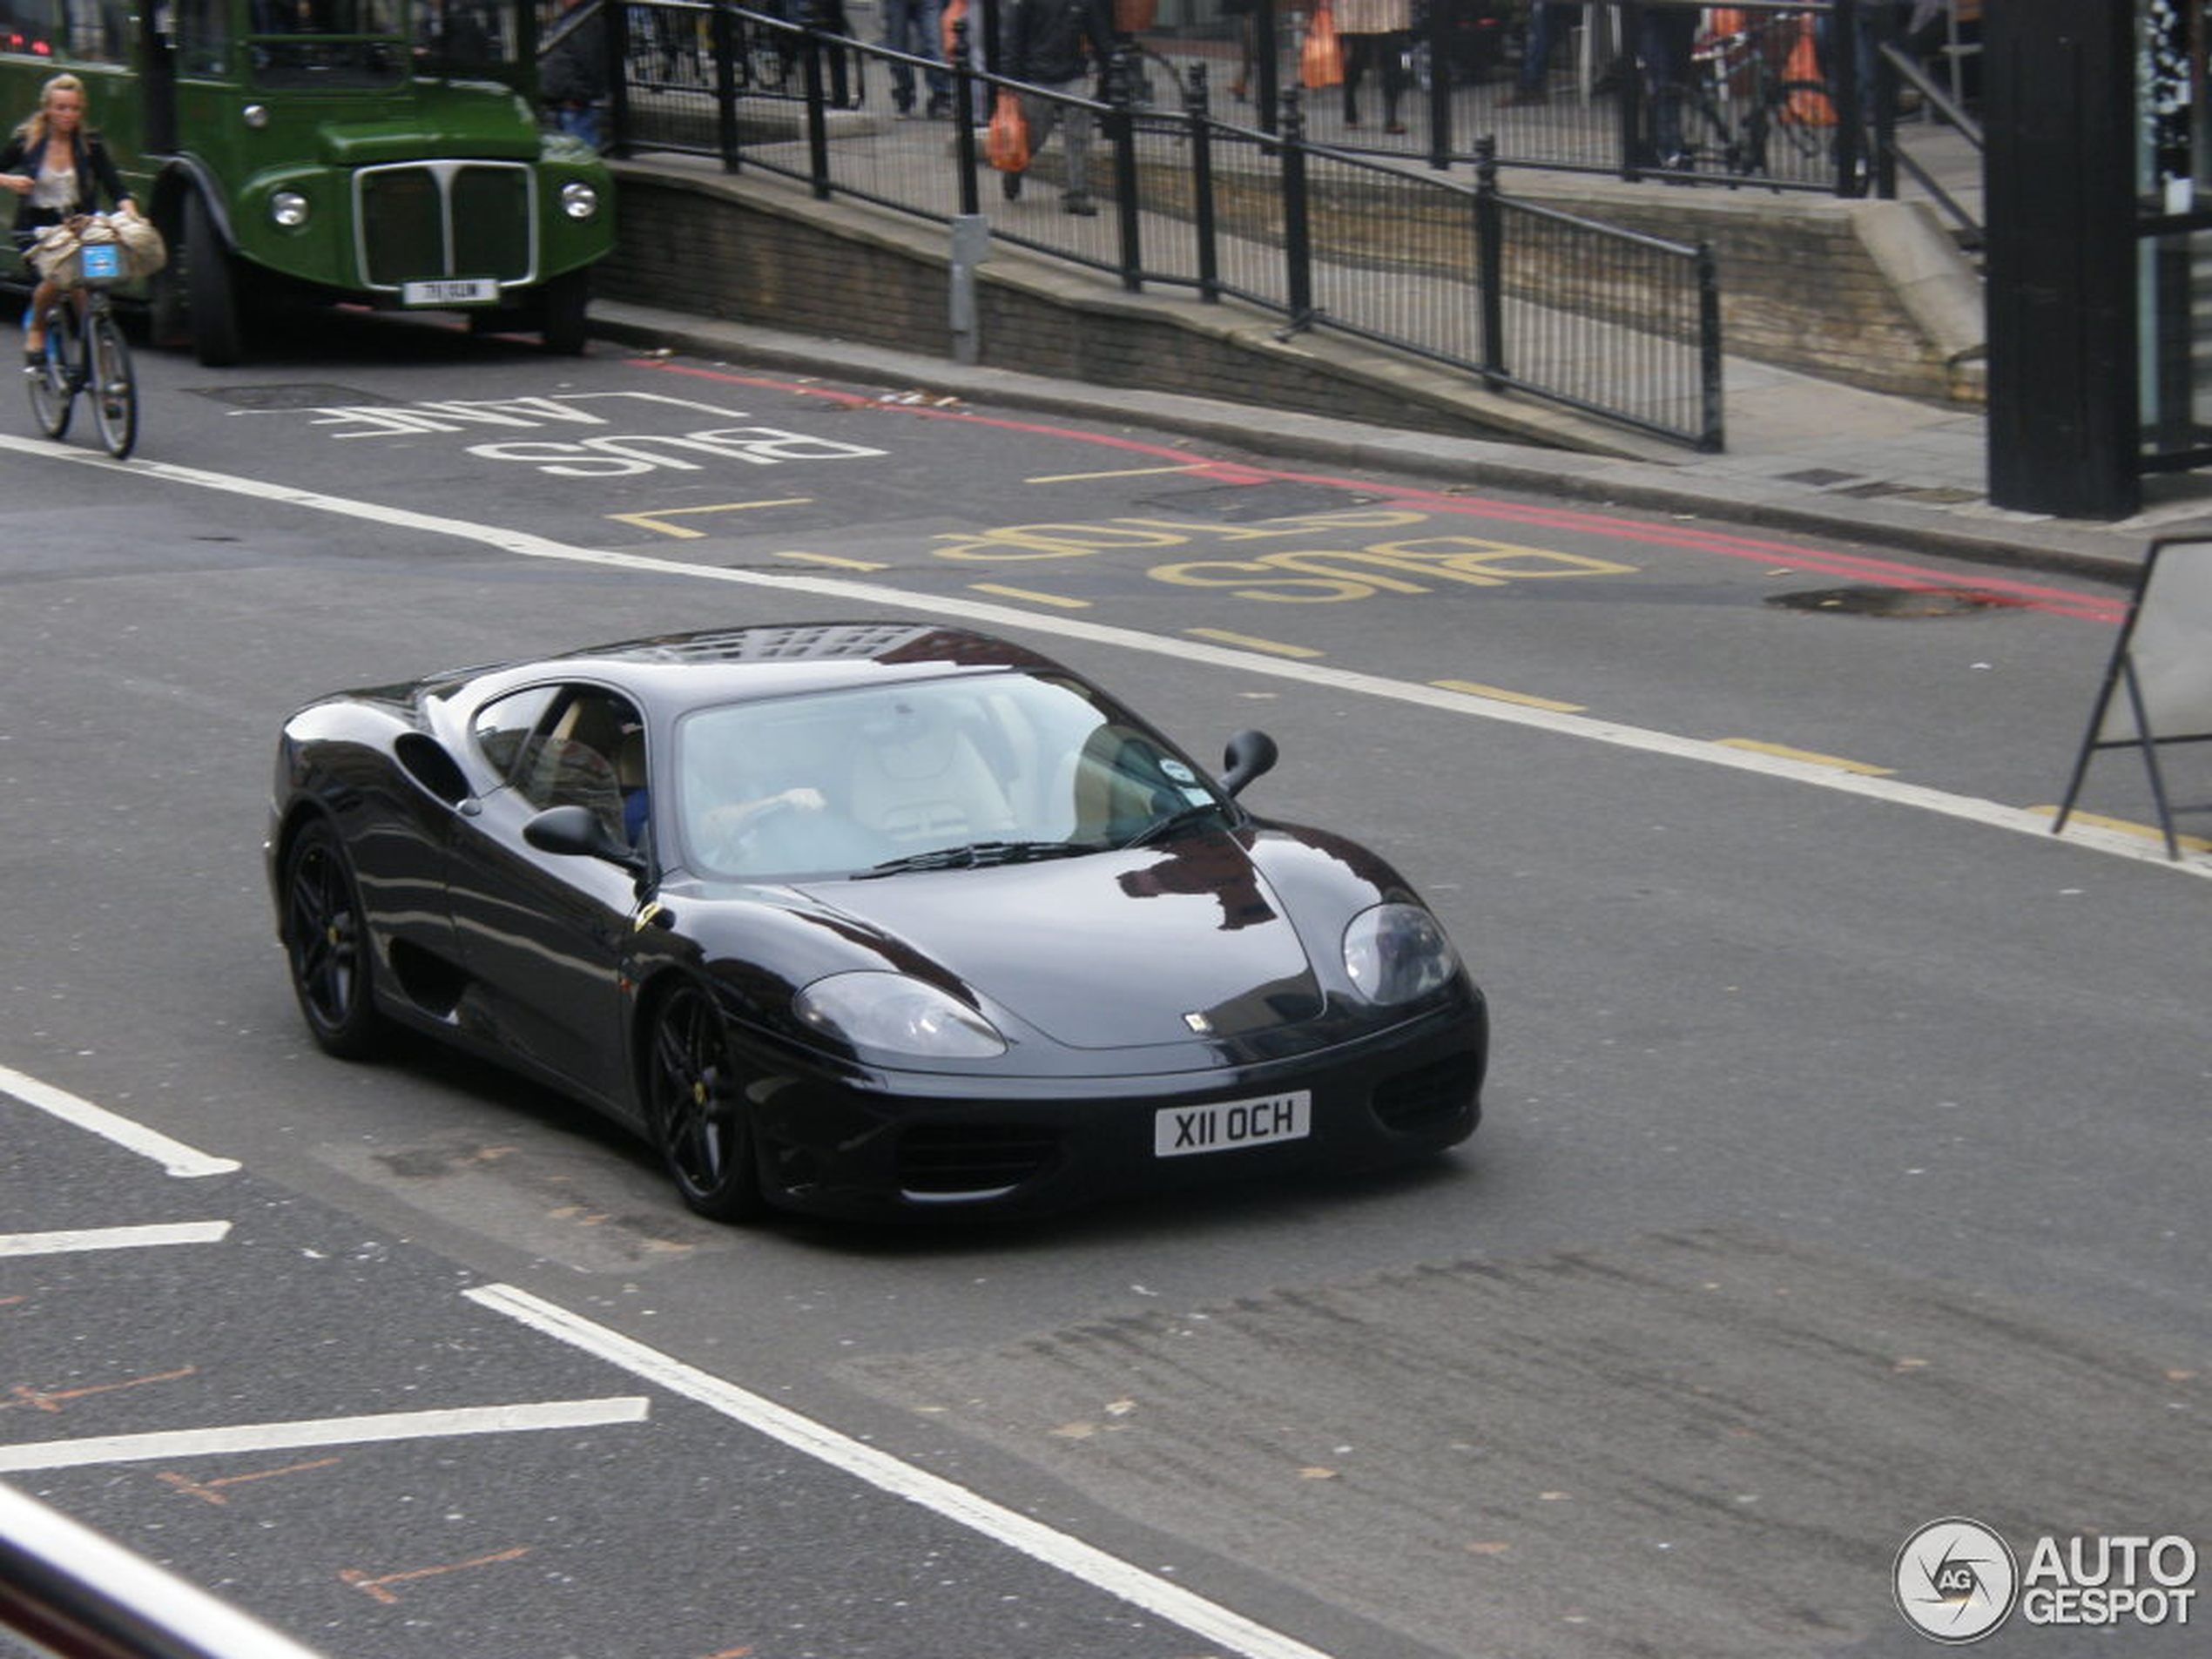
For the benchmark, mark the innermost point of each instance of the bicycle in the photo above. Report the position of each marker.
(88, 354)
(1740, 114)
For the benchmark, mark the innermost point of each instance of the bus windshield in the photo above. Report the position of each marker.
(351, 45)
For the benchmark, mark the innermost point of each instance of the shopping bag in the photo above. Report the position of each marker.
(1006, 144)
(54, 254)
(1320, 58)
(143, 251)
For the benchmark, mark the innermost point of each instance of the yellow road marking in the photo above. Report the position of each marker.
(2126, 826)
(1473, 688)
(832, 558)
(1126, 472)
(1810, 757)
(652, 521)
(1033, 596)
(1252, 644)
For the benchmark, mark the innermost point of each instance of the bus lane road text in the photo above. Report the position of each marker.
(1337, 562)
(622, 440)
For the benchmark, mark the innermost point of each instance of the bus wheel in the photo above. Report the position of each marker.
(561, 304)
(211, 290)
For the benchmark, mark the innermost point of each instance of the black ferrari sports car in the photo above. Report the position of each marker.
(865, 920)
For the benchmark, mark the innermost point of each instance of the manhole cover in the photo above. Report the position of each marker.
(1907, 602)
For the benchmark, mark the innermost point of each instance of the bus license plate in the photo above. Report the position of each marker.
(450, 291)
(1178, 1131)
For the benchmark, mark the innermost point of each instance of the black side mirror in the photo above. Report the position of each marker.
(576, 832)
(1250, 755)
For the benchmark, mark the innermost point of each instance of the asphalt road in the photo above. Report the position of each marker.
(1846, 1144)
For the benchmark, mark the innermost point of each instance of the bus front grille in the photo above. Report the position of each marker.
(423, 219)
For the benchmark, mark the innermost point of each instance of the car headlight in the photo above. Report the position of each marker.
(578, 199)
(892, 1014)
(289, 208)
(1396, 953)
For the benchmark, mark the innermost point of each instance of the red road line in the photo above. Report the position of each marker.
(2058, 601)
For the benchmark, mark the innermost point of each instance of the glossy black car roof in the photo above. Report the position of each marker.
(733, 664)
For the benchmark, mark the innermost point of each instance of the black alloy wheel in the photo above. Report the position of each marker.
(327, 942)
(697, 1098)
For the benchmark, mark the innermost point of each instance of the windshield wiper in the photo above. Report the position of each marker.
(980, 853)
(1161, 827)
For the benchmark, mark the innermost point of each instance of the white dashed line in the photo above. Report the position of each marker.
(173, 1155)
(1208, 1620)
(62, 1243)
(322, 1430)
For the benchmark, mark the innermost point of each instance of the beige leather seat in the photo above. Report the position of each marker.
(919, 779)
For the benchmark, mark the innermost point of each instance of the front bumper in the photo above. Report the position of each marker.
(914, 1144)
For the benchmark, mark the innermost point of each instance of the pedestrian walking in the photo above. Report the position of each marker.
(1061, 47)
(1374, 32)
(911, 26)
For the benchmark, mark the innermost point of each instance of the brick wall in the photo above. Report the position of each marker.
(758, 252)
(1810, 283)
(1836, 288)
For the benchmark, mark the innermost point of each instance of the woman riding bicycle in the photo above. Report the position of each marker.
(56, 170)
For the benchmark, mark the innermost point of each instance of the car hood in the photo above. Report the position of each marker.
(1108, 950)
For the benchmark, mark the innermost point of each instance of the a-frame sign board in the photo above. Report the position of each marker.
(2158, 689)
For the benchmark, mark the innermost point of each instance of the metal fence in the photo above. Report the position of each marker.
(1544, 303)
(1779, 94)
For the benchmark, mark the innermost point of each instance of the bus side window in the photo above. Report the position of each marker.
(98, 31)
(203, 37)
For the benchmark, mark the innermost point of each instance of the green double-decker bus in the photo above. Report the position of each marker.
(380, 152)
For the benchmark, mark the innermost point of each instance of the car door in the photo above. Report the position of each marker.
(545, 934)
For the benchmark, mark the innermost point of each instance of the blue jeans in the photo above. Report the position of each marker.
(579, 121)
(910, 26)
(1546, 25)
(1665, 43)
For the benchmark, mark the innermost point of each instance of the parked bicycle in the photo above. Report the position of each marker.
(1747, 110)
(85, 352)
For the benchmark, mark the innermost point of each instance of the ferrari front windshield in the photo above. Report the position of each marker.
(846, 780)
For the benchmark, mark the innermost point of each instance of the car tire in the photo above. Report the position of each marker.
(696, 1101)
(562, 303)
(326, 942)
(211, 286)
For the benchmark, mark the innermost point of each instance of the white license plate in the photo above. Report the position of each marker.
(450, 291)
(1178, 1131)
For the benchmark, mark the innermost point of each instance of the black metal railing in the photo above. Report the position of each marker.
(1543, 303)
(1764, 93)
(68, 1591)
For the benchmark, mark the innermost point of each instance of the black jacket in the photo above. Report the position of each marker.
(1048, 37)
(95, 172)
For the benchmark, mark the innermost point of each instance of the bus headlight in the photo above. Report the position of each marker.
(289, 208)
(579, 200)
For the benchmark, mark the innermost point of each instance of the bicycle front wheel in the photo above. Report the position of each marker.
(114, 388)
(51, 396)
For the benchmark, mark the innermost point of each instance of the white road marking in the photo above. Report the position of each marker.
(1208, 1620)
(1991, 814)
(174, 1156)
(323, 1431)
(62, 1243)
